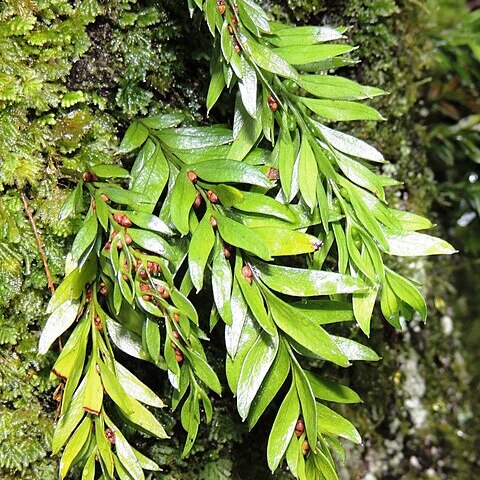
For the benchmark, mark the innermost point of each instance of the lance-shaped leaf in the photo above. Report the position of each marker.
(283, 428)
(58, 322)
(127, 456)
(339, 88)
(201, 245)
(204, 371)
(130, 407)
(331, 391)
(190, 417)
(326, 311)
(247, 86)
(152, 242)
(255, 367)
(85, 237)
(349, 144)
(260, 203)
(331, 422)
(307, 173)
(355, 351)
(282, 241)
(307, 402)
(74, 446)
(126, 340)
(239, 309)
(307, 333)
(341, 110)
(195, 137)
(150, 222)
(286, 35)
(303, 54)
(69, 420)
(222, 283)
(231, 171)
(151, 335)
(406, 291)
(104, 446)
(305, 283)
(110, 171)
(183, 196)
(363, 303)
(93, 396)
(240, 236)
(150, 174)
(415, 244)
(271, 384)
(137, 389)
(135, 135)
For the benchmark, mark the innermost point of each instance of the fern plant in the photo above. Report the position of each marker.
(208, 208)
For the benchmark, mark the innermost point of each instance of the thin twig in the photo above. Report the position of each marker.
(39, 241)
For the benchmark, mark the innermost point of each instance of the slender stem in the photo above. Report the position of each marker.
(39, 241)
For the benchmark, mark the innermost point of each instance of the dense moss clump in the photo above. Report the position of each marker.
(72, 74)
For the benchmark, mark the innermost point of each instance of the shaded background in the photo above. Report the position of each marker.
(73, 74)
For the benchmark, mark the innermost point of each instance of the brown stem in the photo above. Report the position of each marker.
(39, 241)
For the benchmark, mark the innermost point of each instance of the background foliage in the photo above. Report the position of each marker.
(72, 77)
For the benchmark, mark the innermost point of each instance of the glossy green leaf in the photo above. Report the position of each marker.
(254, 17)
(267, 59)
(240, 236)
(201, 245)
(145, 462)
(152, 242)
(254, 369)
(190, 416)
(131, 408)
(134, 137)
(247, 87)
(195, 137)
(74, 446)
(152, 338)
(88, 472)
(217, 81)
(135, 388)
(331, 422)
(222, 283)
(150, 174)
(363, 303)
(286, 161)
(307, 173)
(286, 35)
(339, 88)
(271, 384)
(149, 222)
(255, 301)
(283, 428)
(127, 456)
(349, 144)
(303, 54)
(110, 171)
(204, 371)
(104, 447)
(161, 121)
(355, 351)
(415, 244)
(126, 340)
(239, 309)
(326, 311)
(406, 291)
(305, 283)
(307, 333)
(85, 237)
(260, 203)
(69, 420)
(390, 306)
(93, 396)
(307, 402)
(281, 241)
(183, 196)
(341, 110)
(58, 322)
(331, 391)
